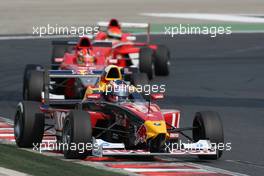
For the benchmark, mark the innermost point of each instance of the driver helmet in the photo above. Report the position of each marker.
(114, 32)
(84, 56)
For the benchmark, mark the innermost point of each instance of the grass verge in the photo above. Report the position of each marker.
(36, 164)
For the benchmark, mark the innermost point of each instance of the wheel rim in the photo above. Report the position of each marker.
(18, 125)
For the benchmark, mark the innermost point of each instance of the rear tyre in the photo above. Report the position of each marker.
(33, 86)
(28, 124)
(77, 130)
(146, 64)
(162, 60)
(208, 126)
(27, 71)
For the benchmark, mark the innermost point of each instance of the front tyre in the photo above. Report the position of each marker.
(27, 72)
(28, 124)
(77, 131)
(207, 125)
(33, 85)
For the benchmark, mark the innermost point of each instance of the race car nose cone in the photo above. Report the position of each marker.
(154, 128)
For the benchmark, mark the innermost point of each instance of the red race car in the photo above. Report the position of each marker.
(113, 46)
(126, 52)
(79, 57)
(112, 122)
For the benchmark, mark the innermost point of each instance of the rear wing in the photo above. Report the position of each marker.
(63, 42)
(109, 73)
(94, 43)
(48, 74)
(125, 25)
(129, 25)
(69, 46)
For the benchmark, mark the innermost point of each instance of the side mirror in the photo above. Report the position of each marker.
(157, 96)
(94, 96)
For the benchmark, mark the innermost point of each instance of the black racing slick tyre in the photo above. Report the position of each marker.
(77, 131)
(207, 125)
(29, 124)
(146, 64)
(162, 60)
(34, 85)
(27, 71)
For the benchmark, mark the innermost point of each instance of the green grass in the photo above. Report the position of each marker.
(36, 164)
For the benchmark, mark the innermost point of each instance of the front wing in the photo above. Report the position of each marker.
(113, 149)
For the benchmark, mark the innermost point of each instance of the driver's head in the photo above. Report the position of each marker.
(84, 56)
(118, 91)
(114, 32)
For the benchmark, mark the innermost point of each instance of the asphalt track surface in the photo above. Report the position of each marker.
(224, 74)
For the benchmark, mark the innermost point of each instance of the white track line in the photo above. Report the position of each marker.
(208, 16)
(100, 165)
(218, 170)
(165, 170)
(6, 129)
(6, 135)
(209, 168)
(26, 37)
(30, 37)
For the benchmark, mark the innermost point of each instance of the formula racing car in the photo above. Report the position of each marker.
(113, 46)
(115, 122)
(149, 58)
